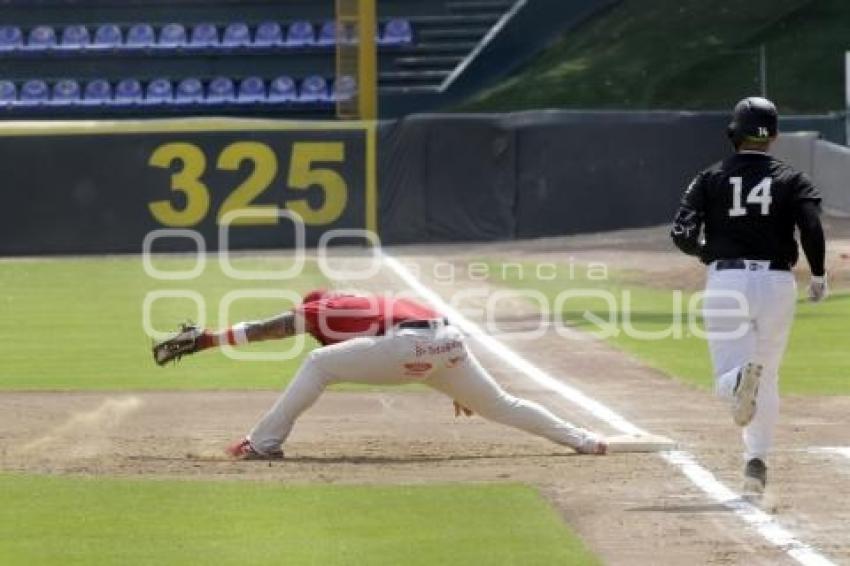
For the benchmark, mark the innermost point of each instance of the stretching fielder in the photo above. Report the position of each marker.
(747, 207)
(375, 340)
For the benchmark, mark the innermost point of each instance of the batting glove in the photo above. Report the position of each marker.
(818, 288)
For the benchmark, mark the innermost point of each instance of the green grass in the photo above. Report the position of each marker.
(688, 54)
(77, 324)
(83, 521)
(817, 361)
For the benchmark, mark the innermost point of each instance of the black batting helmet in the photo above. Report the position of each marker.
(754, 119)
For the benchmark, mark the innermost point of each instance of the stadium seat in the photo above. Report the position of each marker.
(282, 89)
(345, 88)
(189, 91)
(34, 92)
(159, 91)
(140, 36)
(172, 36)
(204, 35)
(313, 89)
(397, 32)
(75, 37)
(128, 91)
(98, 91)
(11, 38)
(65, 92)
(300, 34)
(8, 93)
(251, 89)
(237, 34)
(268, 34)
(330, 33)
(107, 36)
(221, 89)
(40, 38)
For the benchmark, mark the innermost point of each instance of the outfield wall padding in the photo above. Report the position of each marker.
(79, 187)
(532, 174)
(98, 187)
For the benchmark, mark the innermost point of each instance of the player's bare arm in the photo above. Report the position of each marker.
(192, 339)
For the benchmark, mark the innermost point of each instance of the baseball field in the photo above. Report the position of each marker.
(106, 458)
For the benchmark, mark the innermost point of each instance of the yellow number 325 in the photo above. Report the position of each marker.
(191, 163)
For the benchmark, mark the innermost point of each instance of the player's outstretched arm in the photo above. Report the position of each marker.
(192, 339)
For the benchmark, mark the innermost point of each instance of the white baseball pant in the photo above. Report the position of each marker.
(748, 315)
(437, 357)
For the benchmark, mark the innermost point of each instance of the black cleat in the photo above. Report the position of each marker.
(755, 476)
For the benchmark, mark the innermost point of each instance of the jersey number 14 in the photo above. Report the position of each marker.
(760, 194)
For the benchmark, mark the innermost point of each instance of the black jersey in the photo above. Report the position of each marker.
(749, 205)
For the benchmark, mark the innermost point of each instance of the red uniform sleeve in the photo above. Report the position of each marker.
(340, 318)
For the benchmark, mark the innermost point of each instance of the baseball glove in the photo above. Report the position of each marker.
(184, 343)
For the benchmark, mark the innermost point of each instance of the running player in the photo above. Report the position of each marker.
(738, 216)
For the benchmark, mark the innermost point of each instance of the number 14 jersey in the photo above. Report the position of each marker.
(749, 204)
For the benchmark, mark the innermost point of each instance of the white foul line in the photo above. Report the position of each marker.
(768, 527)
(840, 450)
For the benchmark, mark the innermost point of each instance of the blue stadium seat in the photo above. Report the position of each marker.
(8, 93)
(189, 91)
(251, 90)
(300, 34)
(34, 92)
(204, 35)
(398, 31)
(11, 38)
(75, 37)
(237, 34)
(66, 92)
(330, 33)
(40, 38)
(282, 89)
(159, 91)
(127, 92)
(172, 36)
(268, 34)
(313, 89)
(140, 36)
(345, 88)
(98, 91)
(221, 89)
(107, 36)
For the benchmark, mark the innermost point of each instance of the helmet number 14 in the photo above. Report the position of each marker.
(760, 194)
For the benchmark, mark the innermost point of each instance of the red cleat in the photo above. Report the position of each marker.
(593, 445)
(244, 450)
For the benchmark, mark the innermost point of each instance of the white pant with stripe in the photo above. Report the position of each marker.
(437, 357)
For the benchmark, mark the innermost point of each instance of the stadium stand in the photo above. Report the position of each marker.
(131, 58)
